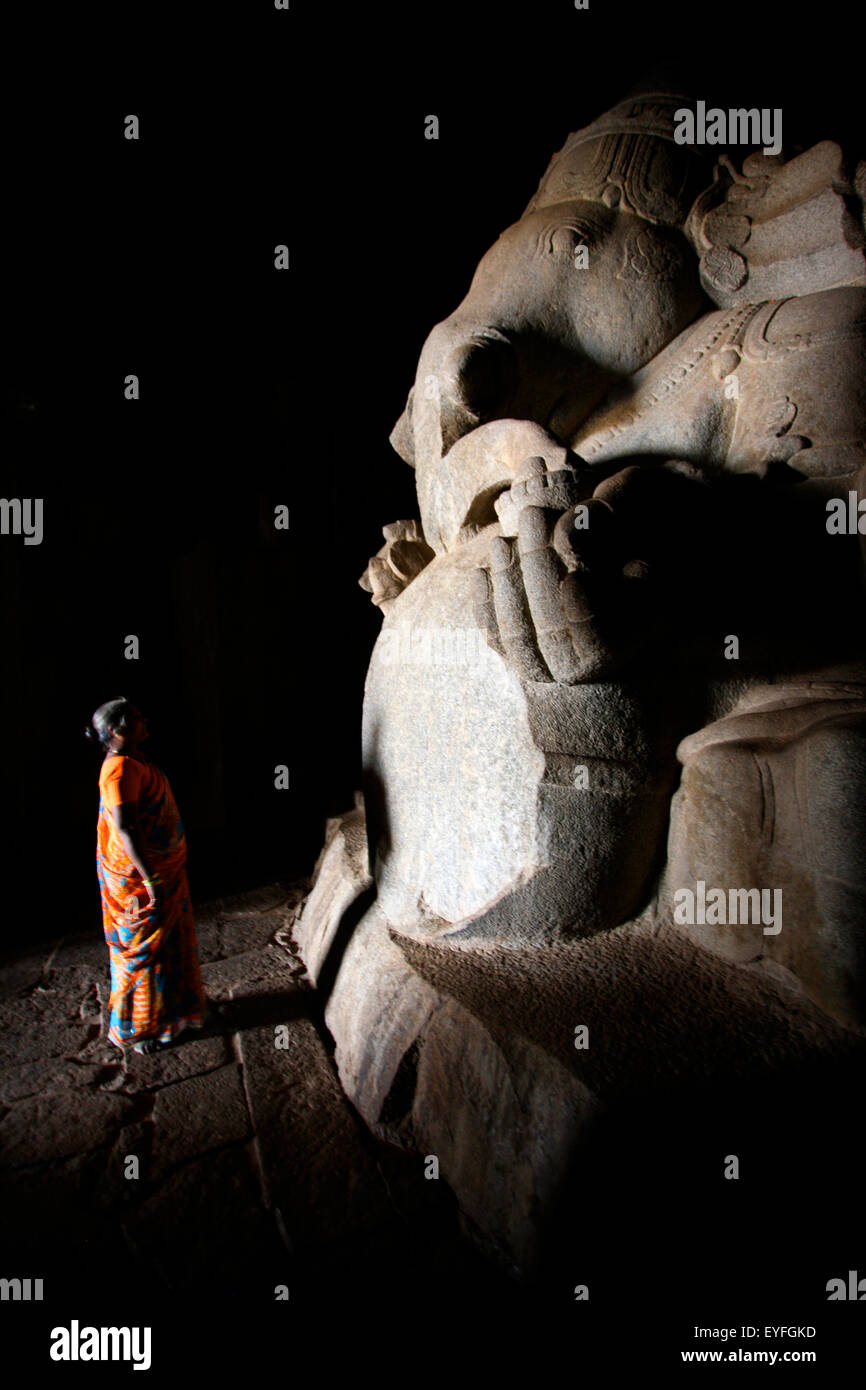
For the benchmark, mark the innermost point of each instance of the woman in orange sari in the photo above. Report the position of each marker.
(156, 986)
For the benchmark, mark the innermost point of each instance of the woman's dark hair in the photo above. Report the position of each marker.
(107, 719)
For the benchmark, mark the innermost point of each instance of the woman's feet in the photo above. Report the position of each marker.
(152, 1045)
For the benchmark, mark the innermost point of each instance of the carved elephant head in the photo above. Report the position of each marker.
(571, 299)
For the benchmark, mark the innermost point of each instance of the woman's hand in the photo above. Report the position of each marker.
(126, 819)
(154, 892)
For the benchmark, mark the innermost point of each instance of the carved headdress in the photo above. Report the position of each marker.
(772, 229)
(628, 159)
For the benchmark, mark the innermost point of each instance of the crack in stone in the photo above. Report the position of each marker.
(40, 985)
(150, 1187)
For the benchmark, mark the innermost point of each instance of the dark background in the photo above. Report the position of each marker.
(261, 387)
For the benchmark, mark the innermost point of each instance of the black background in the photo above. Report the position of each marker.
(259, 387)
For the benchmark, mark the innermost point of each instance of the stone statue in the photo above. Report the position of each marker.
(574, 426)
(628, 442)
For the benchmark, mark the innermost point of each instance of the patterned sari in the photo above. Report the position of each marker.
(156, 986)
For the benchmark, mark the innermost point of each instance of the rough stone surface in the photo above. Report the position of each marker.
(193, 1116)
(630, 668)
(505, 1121)
(57, 1202)
(57, 1074)
(316, 1167)
(221, 976)
(198, 1056)
(228, 926)
(22, 973)
(54, 1126)
(225, 1227)
(470, 1055)
(774, 795)
(341, 875)
(47, 1024)
(254, 1168)
(588, 435)
(376, 1012)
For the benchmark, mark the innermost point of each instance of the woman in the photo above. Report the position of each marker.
(156, 987)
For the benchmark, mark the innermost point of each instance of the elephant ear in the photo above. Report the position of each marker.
(780, 228)
(402, 436)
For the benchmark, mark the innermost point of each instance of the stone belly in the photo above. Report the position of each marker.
(499, 809)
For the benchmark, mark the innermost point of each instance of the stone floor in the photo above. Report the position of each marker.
(257, 1174)
(253, 1168)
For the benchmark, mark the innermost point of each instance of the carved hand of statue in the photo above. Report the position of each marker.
(401, 559)
(569, 593)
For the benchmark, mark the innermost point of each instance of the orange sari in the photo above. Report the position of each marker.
(156, 986)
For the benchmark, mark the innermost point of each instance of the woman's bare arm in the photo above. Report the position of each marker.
(126, 819)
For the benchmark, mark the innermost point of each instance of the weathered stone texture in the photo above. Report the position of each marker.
(626, 441)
